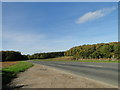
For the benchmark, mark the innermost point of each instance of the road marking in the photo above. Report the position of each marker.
(94, 65)
(63, 63)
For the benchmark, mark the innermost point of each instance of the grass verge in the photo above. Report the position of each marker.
(10, 72)
(105, 61)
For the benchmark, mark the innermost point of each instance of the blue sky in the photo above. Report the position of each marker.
(45, 27)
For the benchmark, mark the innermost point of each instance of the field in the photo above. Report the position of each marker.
(7, 64)
(70, 59)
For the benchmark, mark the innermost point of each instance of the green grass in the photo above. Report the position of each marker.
(10, 72)
(106, 61)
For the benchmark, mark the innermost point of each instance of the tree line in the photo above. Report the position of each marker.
(12, 56)
(95, 51)
(46, 55)
(16, 56)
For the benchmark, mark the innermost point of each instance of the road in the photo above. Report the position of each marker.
(104, 72)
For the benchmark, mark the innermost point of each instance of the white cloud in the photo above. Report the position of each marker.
(95, 15)
(21, 41)
(19, 37)
(29, 43)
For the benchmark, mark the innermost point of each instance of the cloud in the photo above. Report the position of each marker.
(29, 43)
(20, 37)
(21, 40)
(94, 15)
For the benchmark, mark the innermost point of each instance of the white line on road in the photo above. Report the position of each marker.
(94, 65)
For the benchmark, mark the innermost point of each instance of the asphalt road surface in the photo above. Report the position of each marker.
(105, 72)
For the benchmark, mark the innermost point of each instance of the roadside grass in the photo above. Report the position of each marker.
(11, 72)
(102, 61)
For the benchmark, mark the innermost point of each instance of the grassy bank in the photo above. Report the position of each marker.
(105, 61)
(10, 72)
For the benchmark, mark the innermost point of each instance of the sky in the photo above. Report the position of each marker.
(35, 27)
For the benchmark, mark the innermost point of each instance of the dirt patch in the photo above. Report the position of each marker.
(40, 76)
(7, 64)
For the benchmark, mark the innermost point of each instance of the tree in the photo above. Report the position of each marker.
(101, 50)
(13, 56)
